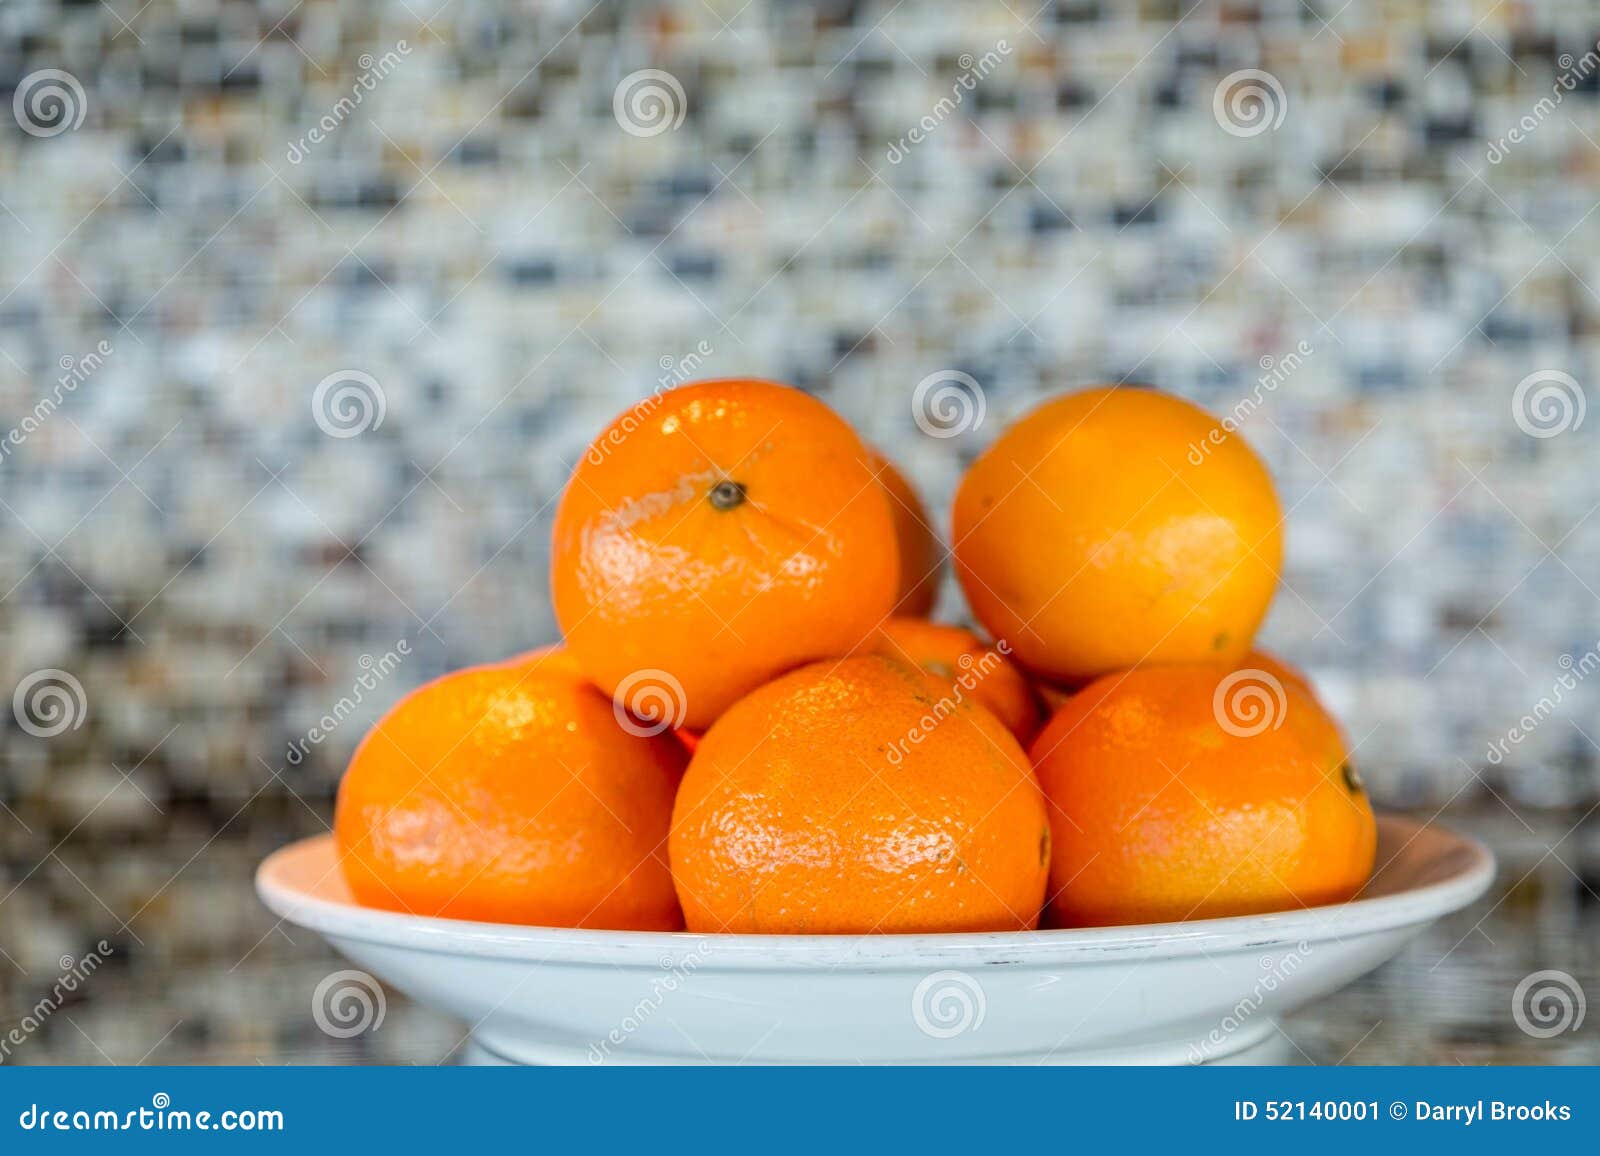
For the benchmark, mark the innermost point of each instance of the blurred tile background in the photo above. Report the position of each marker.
(306, 309)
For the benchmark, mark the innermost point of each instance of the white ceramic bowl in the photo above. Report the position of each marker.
(1206, 990)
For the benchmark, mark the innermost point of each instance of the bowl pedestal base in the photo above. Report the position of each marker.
(1256, 1044)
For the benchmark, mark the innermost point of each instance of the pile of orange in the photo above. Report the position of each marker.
(751, 725)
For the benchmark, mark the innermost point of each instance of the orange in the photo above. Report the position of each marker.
(966, 666)
(715, 536)
(1326, 728)
(512, 794)
(845, 798)
(1187, 792)
(921, 556)
(554, 656)
(1118, 526)
(1259, 659)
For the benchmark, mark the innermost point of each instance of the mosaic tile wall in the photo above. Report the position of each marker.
(306, 308)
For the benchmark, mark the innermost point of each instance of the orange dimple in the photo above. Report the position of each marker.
(1191, 791)
(842, 798)
(921, 556)
(510, 793)
(720, 534)
(966, 665)
(1118, 526)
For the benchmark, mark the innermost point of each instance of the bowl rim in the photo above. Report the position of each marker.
(1470, 869)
